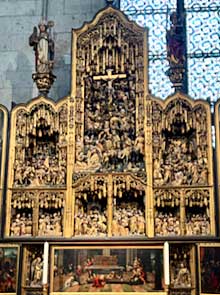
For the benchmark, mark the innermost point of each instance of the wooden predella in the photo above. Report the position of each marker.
(108, 172)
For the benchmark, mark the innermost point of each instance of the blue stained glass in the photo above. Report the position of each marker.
(159, 83)
(203, 31)
(157, 33)
(143, 4)
(196, 4)
(204, 78)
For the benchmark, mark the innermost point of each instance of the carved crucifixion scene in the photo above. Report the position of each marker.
(109, 97)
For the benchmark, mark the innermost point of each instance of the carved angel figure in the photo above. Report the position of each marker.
(43, 46)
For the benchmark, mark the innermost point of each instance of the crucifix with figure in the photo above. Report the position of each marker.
(109, 78)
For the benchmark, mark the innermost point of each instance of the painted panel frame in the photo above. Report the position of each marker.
(209, 268)
(9, 268)
(106, 269)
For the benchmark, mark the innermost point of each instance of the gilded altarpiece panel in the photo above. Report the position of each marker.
(182, 167)
(37, 169)
(109, 86)
(3, 147)
(217, 148)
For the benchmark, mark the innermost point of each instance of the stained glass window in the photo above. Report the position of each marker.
(203, 43)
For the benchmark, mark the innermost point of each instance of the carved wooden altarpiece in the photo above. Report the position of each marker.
(110, 159)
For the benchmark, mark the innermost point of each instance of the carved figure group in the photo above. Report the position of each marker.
(40, 170)
(92, 223)
(40, 150)
(110, 141)
(166, 224)
(198, 224)
(21, 225)
(128, 220)
(179, 165)
(50, 224)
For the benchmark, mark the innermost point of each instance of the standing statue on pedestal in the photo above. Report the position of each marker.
(43, 46)
(176, 51)
(175, 41)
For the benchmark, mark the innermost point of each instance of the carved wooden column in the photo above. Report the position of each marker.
(110, 204)
(36, 215)
(70, 196)
(182, 213)
(149, 166)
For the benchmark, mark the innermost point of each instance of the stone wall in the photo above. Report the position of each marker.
(17, 19)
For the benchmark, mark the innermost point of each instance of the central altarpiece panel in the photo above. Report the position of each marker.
(109, 83)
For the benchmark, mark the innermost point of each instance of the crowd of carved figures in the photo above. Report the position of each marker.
(49, 216)
(167, 224)
(180, 145)
(93, 206)
(128, 219)
(196, 211)
(50, 224)
(111, 137)
(91, 223)
(197, 224)
(41, 156)
(22, 224)
(110, 141)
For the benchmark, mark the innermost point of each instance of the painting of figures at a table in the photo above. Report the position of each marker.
(8, 269)
(108, 270)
